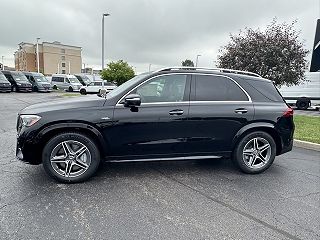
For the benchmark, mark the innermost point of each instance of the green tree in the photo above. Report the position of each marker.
(187, 63)
(118, 72)
(275, 53)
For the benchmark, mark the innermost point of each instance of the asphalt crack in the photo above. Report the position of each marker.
(230, 207)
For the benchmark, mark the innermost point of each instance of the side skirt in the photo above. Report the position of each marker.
(165, 159)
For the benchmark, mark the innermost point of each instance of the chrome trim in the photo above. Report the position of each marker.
(225, 70)
(166, 159)
(166, 74)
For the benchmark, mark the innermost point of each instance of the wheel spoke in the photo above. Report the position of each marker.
(68, 169)
(255, 144)
(262, 158)
(81, 164)
(80, 151)
(252, 160)
(58, 159)
(66, 148)
(264, 147)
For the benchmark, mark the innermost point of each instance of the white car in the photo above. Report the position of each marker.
(96, 86)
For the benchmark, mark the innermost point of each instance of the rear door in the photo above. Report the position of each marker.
(219, 108)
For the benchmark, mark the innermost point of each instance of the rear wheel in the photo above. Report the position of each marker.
(303, 103)
(71, 157)
(255, 152)
(54, 87)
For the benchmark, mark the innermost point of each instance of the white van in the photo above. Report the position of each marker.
(66, 82)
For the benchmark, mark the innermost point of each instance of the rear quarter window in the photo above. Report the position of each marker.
(267, 89)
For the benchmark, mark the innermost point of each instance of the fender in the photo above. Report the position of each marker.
(251, 126)
(75, 126)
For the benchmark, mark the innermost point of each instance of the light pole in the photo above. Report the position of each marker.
(38, 61)
(2, 62)
(102, 62)
(197, 59)
(149, 67)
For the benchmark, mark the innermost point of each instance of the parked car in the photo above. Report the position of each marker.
(38, 81)
(83, 79)
(305, 94)
(95, 87)
(5, 85)
(66, 82)
(19, 82)
(171, 114)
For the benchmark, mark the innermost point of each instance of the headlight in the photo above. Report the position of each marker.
(19, 84)
(29, 120)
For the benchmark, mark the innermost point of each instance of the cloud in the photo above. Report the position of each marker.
(162, 33)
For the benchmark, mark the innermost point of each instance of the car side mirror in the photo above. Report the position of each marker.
(132, 100)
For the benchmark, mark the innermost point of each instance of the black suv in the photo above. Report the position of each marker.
(170, 114)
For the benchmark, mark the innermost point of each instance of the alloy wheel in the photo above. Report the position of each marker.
(257, 153)
(70, 158)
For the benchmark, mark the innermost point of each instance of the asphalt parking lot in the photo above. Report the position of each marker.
(160, 200)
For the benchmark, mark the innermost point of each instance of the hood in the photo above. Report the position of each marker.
(65, 104)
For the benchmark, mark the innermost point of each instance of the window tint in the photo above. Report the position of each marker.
(215, 88)
(98, 83)
(168, 88)
(57, 79)
(267, 89)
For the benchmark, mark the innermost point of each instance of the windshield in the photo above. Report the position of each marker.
(19, 77)
(126, 85)
(40, 78)
(3, 78)
(73, 80)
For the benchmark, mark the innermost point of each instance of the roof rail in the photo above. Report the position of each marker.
(225, 70)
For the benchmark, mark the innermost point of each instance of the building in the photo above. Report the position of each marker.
(53, 58)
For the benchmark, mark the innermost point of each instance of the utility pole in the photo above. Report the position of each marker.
(197, 59)
(38, 61)
(102, 62)
(2, 62)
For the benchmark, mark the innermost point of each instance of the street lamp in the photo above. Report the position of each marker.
(197, 59)
(38, 61)
(102, 62)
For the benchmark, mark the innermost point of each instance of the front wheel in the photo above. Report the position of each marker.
(70, 89)
(83, 92)
(71, 157)
(255, 152)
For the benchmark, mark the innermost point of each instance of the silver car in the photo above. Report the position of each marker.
(66, 82)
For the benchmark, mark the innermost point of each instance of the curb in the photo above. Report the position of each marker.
(306, 145)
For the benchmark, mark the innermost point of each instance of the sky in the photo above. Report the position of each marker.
(142, 32)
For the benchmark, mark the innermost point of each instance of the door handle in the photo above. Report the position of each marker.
(241, 110)
(176, 112)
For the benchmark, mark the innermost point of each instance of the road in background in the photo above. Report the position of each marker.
(159, 200)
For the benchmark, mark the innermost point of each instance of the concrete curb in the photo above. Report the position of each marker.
(306, 145)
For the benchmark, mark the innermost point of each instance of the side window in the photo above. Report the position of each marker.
(98, 83)
(216, 88)
(67, 80)
(167, 88)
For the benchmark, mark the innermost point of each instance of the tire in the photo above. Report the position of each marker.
(14, 88)
(54, 87)
(68, 167)
(83, 92)
(70, 89)
(303, 104)
(35, 89)
(250, 160)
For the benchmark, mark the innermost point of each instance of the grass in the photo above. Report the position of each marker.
(307, 128)
(71, 95)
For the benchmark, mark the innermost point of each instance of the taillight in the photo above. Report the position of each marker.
(288, 112)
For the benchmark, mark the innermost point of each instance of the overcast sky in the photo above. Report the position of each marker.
(162, 32)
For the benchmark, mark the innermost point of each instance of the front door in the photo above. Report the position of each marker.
(156, 129)
(219, 108)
